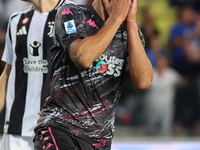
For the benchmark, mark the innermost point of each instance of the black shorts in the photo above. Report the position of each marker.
(52, 138)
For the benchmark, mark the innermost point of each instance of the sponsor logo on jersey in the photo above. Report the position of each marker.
(34, 63)
(25, 20)
(22, 31)
(70, 27)
(101, 66)
(51, 25)
(109, 65)
(34, 48)
(66, 12)
(92, 23)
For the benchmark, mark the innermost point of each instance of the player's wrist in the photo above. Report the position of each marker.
(116, 20)
(131, 26)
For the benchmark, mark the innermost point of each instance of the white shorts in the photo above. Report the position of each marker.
(16, 142)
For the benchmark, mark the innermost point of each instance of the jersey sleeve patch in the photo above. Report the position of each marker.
(70, 27)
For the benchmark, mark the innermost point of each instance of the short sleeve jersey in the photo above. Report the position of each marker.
(28, 41)
(84, 101)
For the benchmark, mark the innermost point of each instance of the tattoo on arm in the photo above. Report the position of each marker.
(73, 55)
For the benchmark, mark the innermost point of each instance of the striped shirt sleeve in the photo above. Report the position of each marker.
(8, 50)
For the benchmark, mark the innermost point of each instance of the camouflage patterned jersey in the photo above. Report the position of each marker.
(83, 102)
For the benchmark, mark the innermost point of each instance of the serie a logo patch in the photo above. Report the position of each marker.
(70, 27)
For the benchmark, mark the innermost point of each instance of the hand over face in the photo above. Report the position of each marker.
(131, 17)
(118, 8)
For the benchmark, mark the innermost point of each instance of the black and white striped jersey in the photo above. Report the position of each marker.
(27, 49)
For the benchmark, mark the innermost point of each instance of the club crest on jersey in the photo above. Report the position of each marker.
(70, 27)
(25, 20)
(51, 25)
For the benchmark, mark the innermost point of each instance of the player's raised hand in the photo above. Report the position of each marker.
(117, 8)
(131, 17)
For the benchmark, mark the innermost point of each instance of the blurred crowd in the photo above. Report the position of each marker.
(171, 107)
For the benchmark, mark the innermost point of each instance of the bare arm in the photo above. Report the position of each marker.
(84, 52)
(3, 84)
(140, 68)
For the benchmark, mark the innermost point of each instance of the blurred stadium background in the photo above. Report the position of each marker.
(167, 116)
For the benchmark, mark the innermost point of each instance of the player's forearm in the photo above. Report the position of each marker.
(2, 93)
(90, 48)
(3, 85)
(140, 68)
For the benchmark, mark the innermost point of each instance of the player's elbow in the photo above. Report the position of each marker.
(84, 59)
(83, 65)
(141, 85)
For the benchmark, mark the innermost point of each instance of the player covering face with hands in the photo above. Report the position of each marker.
(94, 46)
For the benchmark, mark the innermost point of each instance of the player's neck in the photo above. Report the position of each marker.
(43, 6)
(100, 9)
